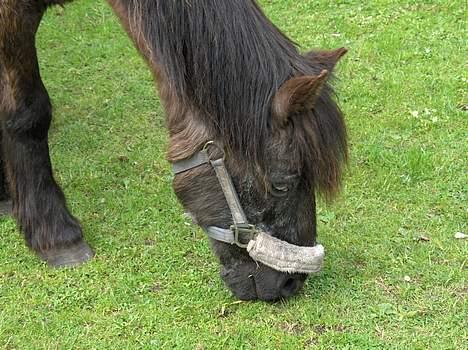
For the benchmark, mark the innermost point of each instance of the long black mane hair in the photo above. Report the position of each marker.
(227, 60)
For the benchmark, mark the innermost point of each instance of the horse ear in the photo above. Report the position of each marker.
(327, 59)
(296, 95)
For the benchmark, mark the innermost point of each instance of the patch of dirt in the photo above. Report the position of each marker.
(292, 328)
(359, 263)
(156, 287)
(322, 328)
(461, 292)
(312, 341)
(123, 158)
(388, 289)
(149, 241)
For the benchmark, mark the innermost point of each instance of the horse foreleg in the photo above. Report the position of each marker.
(5, 202)
(25, 114)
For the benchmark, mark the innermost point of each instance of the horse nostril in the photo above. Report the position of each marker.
(289, 287)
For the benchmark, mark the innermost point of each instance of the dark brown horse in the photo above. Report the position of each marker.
(225, 74)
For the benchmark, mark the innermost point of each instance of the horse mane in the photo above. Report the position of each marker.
(227, 60)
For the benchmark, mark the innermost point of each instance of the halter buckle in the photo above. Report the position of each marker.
(243, 234)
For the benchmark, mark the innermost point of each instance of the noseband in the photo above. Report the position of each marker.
(262, 247)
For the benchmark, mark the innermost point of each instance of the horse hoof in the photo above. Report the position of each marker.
(5, 208)
(68, 257)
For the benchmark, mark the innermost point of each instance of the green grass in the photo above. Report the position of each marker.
(154, 282)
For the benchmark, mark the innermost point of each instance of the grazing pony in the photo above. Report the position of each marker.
(254, 135)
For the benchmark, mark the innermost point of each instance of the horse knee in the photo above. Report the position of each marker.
(31, 120)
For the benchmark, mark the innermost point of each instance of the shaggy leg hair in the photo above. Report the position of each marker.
(4, 196)
(25, 115)
(5, 203)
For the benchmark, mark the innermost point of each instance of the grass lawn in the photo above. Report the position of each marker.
(394, 277)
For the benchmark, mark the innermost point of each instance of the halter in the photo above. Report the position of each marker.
(271, 251)
(240, 232)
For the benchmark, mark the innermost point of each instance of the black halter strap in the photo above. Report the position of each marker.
(241, 232)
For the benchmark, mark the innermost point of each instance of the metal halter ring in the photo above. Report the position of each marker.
(212, 143)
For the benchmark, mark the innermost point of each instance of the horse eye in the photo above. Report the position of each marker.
(282, 187)
(279, 189)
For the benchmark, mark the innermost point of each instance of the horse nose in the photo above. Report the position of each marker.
(290, 285)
